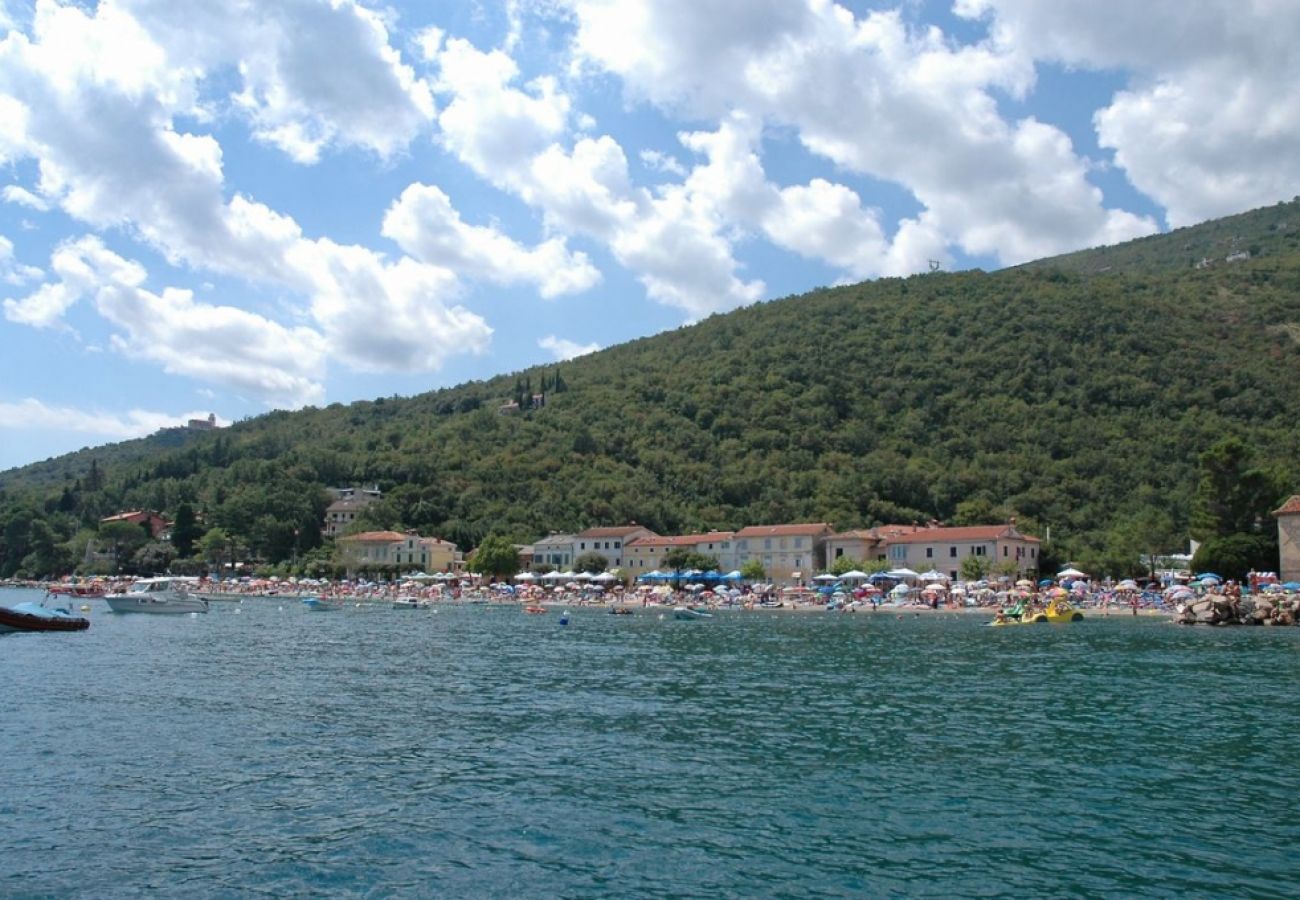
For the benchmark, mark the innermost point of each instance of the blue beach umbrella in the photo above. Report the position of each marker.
(1208, 576)
(1291, 586)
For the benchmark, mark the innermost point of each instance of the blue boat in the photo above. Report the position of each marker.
(38, 617)
(322, 604)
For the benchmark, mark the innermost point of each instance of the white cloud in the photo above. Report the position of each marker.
(23, 197)
(218, 344)
(423, 223)
(662, 162)
(11, 271)
(95, 101)
(1211, 116)
(564, 349)
(676, 247)
(382, 317)
(30, 414)
(872, 97)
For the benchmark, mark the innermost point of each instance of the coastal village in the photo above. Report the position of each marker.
(787, 554)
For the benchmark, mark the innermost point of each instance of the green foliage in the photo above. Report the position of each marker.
(591, 562)
(1075, 394)
(121, 540)
(1232, 495)
(1233, 555)
(185, 530)
(682, 559)
(753, 570)
(843, 564)
(974, 568)
(496, 556)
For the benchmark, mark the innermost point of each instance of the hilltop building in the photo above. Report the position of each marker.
(348, 502)
(207, 424)
(1288, 539)
(158, 526)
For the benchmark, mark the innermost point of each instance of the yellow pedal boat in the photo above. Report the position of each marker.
(1058, 610)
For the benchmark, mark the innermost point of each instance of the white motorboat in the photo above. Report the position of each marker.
(690, 612)
(323, 604)
(158, 596)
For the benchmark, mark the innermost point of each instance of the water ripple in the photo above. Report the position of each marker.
(481, 752)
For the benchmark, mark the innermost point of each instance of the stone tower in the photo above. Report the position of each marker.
(1288, 539)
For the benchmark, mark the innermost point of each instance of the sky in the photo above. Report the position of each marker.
(242, 206)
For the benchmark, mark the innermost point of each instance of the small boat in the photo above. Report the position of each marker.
(39, 617)
(158, 596)
(323, 604)
(78, 591)
(620, 611)
(1057, 611)
(688, 612)
(534, 609)
(411, 603)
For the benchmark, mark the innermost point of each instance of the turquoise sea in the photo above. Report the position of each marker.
(479, 752)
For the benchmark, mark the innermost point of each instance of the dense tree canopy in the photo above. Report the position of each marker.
(1123, 406)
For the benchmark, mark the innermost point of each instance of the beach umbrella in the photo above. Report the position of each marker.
(1208, 578)
(1024, 583)
(853, 575)
(933, 575)
(826, 576)
(1291, 586)
(525, 576)
(1071, 573)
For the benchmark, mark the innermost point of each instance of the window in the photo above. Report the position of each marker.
(767, 543)
(952, 574)
(952, 552)
(978, 550)
(839, 551)
(929, 553)
(1004, 551)
(616, 545)
(798, 543)
(1033, 551)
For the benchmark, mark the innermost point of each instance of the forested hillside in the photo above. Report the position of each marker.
(1075, 399)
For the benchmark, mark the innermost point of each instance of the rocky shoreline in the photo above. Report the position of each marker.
(1216, 609)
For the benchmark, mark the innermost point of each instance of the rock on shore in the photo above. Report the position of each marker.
(1216, 609)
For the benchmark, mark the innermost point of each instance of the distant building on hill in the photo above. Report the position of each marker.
(207, 424)
(1288, 539)
(158, 526)
(348, 502)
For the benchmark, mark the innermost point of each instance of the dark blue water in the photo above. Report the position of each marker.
(477, 751)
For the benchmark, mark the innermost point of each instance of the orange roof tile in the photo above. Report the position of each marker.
(616, 531)
(376, 537)
(679, 540)
(1289, 508)
(960, 533)
(782, 530)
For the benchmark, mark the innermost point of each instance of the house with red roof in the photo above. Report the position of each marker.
(401, 551)
(609, 542)
(644, 554)
(941, 549)
(156, 524)
(789, 554)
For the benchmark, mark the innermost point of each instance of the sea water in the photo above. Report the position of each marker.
(477, 751)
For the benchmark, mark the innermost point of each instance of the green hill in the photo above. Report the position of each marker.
(1077, 399)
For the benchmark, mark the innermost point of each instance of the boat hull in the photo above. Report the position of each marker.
(320, 604)
(156, 606)
(18, 619)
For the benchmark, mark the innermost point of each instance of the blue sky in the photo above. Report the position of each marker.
(237, 207)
